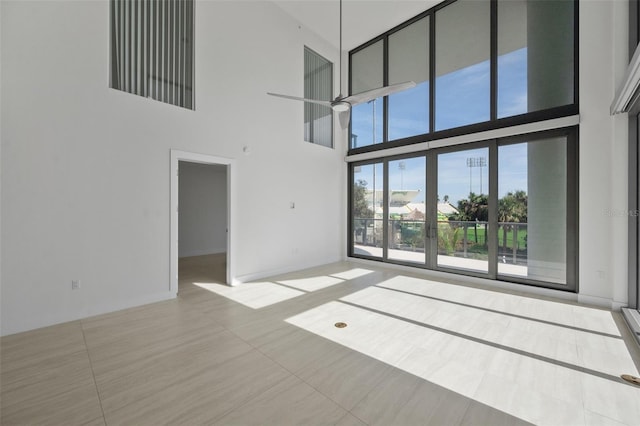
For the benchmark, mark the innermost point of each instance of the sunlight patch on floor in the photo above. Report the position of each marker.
(255, 295)
(326, 280)
(582, 317)
(352, 273)
(536, 370)
(311, 283)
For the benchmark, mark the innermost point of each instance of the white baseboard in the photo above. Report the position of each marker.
(285, 270)
(87, 312)
(601, 302)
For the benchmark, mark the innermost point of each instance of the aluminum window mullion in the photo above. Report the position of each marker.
(432, 72)
(134, 46)
(127, 47)
(145, 47)
(385, 210)
(493, 60)
(174, 48)
(170, 45)
(179, 49)
(156, 49)
(191, 59)
(572, 216)
(385, 82)
(492, 235)
(149, 46)
(432, 209)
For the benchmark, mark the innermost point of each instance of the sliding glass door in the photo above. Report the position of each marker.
(406, 209)
(500, 209)
(367, 210)
(463, 210)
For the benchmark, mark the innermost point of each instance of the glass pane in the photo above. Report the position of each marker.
(409, 61)
(366, 74)
(318, 84)
(367, 68)
(532, 210)
(462, 64)
(463, 210)
(366, 123)
(535, 55)
(407, 210)
(366, 210)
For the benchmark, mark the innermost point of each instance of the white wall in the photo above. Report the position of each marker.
(85, 169)
(202, 221)
(603, 154)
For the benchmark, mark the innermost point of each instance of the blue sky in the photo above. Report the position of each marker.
(462, 97)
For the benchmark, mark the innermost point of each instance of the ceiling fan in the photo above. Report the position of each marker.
(342, 104)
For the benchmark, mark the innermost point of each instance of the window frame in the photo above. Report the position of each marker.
(634, 170)
(431, 251)
(330, 131)
(494, 122)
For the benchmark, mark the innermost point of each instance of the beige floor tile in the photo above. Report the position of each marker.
(383, 403)
(350, 420)
(77, 406)
(26, 353)
(415, 352)
(290, 402)
(204, 396)
(128, 382)
(348, 379)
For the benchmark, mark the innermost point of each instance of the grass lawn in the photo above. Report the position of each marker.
(522, 236)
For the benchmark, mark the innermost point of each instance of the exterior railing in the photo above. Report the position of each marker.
(455, 238)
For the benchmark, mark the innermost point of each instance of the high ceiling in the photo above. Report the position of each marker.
(361, 19)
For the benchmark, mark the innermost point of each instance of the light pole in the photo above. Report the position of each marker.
(476, 162)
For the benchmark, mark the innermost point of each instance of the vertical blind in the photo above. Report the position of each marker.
(152, 49)
(318, 84)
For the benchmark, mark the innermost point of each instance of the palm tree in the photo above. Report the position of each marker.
(474, 209)
(512, 208)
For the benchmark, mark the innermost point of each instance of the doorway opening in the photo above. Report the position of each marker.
(201, 213)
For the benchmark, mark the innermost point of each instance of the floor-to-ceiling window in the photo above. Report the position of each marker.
(406, 209)
(634, 166)
(500, 209)
(632, 314)
(499, 205)
(463, 187)
(367, 209)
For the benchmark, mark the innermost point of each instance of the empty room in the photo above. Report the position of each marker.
(331, 212)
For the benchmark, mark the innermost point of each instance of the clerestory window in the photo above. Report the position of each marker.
(428, 187)
(152, 49)
(318, 84)
(478, 65)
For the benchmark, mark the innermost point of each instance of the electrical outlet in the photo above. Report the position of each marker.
(75, 284)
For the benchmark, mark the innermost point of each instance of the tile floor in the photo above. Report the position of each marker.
(415, 352)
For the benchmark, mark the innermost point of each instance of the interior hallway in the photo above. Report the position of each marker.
(414, 351)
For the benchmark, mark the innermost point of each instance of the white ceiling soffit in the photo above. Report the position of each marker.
(362, 20)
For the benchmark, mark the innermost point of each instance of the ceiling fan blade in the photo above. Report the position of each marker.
(295, 98)
(377, 93)
(344, 118)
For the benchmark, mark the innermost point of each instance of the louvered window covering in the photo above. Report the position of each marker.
(152, 49)
(318, 84)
